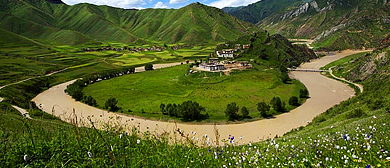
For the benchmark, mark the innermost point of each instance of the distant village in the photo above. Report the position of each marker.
(136, 49)
(215, 65)
(132, 49)
(224, 51)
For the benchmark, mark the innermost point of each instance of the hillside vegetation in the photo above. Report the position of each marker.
(335, 25)
(351, 134)
(54, 22)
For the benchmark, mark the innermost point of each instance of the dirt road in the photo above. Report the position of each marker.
(324, 93)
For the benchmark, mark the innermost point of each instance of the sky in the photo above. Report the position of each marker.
(142, 4)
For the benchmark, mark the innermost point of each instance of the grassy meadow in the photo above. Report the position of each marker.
(351, 134)
(142, 93)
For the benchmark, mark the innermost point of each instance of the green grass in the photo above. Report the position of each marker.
(344, 65)
(211, 90)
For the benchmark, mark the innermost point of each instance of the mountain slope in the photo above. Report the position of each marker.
(49, 21)
(335, 24)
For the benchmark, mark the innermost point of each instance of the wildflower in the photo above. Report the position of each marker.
(276, 146)
(138, 141)
(388, 158)
(346, 161)
(374, 117)
(368, 166)
(25, 157)
(89, 154)
(121, 135)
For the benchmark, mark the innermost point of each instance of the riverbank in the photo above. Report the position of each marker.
(324, 93)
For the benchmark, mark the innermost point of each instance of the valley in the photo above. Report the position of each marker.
(286, 83)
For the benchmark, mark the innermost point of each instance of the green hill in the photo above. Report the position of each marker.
(335, 25)
(56, 22)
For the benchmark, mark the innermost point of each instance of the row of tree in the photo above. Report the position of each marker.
(232, 109)
(276, 103)
(188, 110)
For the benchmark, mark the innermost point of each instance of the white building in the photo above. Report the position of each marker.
(228, 53)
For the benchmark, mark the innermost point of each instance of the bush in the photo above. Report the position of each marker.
(148, 67)
(293, 101)
(277, 104)
(188, 110)
(35, 113)
(355, 113)
(263, 108)
(375, 104)
(191, 110)
(303, 93)
(231, 111)
(244, 112)
(111, 104)
(89, 100)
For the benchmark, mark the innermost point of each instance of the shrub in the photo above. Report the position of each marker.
(244, 112)
(191, 110)
(375, 104)
(277, 104)
(111, 104)
(355, 113)
(293, 101)
(303, 93)
(263, 108)
(231, 111)
(148, 67)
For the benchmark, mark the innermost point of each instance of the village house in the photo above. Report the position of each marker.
(247, 46)
(212, 66)
(227, 53)
(213, 60)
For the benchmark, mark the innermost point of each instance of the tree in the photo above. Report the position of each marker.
(284, 77)
(277, 104)
(293, 101)
(148, 67)
(89, 100)
(191, 110)
(263, 108)
(231, 111)
(244, 112)
(303, 93)
(162, 108)
(111, 104)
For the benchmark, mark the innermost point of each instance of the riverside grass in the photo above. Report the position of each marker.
(334, 139)
(356, 142)
(211, 90)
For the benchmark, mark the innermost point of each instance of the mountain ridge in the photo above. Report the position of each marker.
(334, 25)
(194, 23)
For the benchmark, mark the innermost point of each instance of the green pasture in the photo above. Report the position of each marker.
(147, 90)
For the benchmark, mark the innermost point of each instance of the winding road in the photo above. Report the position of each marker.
(324, 93)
